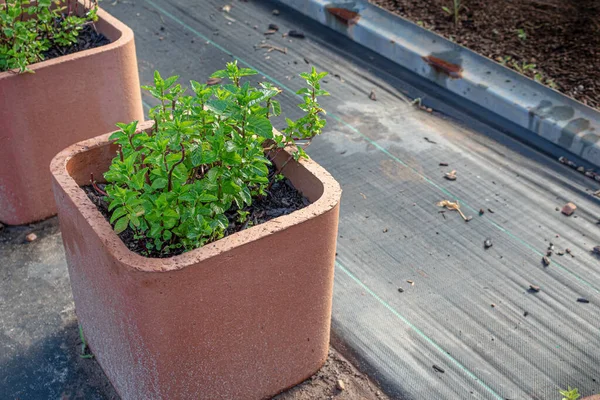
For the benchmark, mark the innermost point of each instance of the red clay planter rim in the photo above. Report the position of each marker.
(59, 168)
(115, 42)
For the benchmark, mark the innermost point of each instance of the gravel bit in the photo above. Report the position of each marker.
(296, 34)
(546, 261)
(438, 369)
(569, 209)
(534, 288)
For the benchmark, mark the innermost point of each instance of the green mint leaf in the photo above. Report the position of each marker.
(121, 224)
(261, 126)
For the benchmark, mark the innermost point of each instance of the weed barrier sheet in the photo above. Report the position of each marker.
(468, 326)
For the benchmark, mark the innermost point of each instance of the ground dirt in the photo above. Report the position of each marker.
(324, 384)
(555, 42)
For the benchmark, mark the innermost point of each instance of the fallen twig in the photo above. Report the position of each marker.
(453, 206)
(270, 48)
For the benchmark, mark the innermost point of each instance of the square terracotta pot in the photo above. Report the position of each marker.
(244, 317)
(66, 100)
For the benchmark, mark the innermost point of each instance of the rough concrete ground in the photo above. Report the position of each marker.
(39, 338)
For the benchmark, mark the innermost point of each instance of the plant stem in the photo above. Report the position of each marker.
(147, 172)
(96, 188)
(268, 107)
(170, 182)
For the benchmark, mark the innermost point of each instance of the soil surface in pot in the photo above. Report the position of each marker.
(561, 38)
(282, 199)
(88, 38)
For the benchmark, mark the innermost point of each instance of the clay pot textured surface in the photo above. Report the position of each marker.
(245, 317)
(66, 100)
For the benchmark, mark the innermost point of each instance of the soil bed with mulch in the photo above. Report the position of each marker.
(282, 199)
(554, 42)
(88, 38)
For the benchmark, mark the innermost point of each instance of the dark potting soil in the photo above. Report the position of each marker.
(561, 37)
(282, 199)
(88, 38)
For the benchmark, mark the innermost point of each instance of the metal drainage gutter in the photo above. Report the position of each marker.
(532, 110)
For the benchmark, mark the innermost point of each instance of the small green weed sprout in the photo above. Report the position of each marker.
(85, 350)
(551, 83)
(570, 394)
(523, 67)
(455, 11)
(207, 153)
(504, 60)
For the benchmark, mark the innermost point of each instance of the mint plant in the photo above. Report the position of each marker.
(29, 28)
(207, 153)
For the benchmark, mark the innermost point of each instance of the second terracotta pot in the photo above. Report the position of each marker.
(66, 100)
